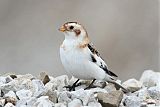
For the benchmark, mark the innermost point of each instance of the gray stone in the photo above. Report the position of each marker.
(94, 104)
(10, 100)
(132, 101)
(143, 93)
(132, 85)
(2, 101)
(84, 95)
(154, 92)
(110, 87)
(57, 83)
(11, 94)
(44, 77)
(64, 97)
(75, 103)
(52, 96)
(23, 94)
(150, 78)
(111, 99)
(60, 105)
(43, 101)
(9, 105)
(39, 88)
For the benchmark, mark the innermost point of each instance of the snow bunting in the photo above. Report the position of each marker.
(80, 58)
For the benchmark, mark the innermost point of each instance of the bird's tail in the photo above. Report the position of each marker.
(119, 86)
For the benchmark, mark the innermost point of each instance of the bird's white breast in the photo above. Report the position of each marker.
(74, 62)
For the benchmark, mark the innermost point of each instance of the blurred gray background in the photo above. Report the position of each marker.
(124, 31)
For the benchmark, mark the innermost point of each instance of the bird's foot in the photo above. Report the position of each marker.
(91, 85)
(72, 87)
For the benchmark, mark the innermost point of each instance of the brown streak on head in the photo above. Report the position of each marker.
(77, 32)
(84, 43)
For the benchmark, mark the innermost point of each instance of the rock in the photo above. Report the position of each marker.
(23, 94)
(8, 79)
(2, 102)
(57, 83)
(52, 96)
(11, 94)
(132, 101)
(26, 102)
(99, 83)
(39, 88)
(9, 105)
(64, 97)
(94, 104)
(2, 80)
(84, 95)
(154, 92)
(132, 85)
(143, 93)
(150, 78)
(10, 100)
(111, 99)
(60, 105)
(44, 77)
(75, 103)
(13, 76)
(150, 101)
(21, 82)
(110, 87)
(43, 101)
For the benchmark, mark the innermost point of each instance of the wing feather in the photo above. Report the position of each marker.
(96, 58)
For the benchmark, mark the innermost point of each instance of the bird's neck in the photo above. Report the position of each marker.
(76, 43)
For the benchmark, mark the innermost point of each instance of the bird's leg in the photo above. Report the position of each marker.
(91, 85)
(73, 86)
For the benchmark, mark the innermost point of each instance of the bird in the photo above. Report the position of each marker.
(80, 58)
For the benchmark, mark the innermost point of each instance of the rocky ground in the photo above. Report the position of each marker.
(46, 91)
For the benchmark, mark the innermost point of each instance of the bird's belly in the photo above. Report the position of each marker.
(75, 63)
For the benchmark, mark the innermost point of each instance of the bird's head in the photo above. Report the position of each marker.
(73, 31)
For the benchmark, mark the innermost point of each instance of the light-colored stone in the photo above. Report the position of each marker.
(75, 103)
(52, 96)
(39, 88)
(10, 100)
(58, 83)
(150, 78)
(132, 101)
(9, 105)
(154, 92)
(43, 101)
(2, 80)
(64, 97)
(132, 85)
(110, 87)
(8, 79)
(11, 94)
(84, 95)
(2, 102)
(142, 93)
(94, 104)
(60, 105)
(23, 94)
(111, 99)
(43, 76)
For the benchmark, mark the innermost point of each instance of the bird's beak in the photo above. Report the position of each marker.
(62, 29)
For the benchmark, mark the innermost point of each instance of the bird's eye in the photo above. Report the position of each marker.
(71, 27)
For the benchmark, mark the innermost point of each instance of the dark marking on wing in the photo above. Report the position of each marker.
(93, 50)
(107, 71)
(93, 58)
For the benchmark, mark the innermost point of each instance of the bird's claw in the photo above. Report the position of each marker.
(72, 87)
